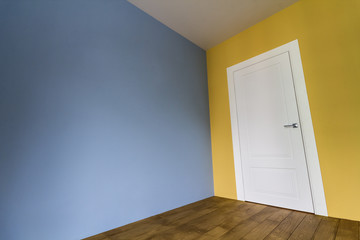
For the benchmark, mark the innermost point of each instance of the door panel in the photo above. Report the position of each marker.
(273, 158)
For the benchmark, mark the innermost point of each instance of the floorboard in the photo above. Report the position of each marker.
(327, 229)
(348, 230)
(218, 218)
(287, 226)
(306, 228)
(268, 225)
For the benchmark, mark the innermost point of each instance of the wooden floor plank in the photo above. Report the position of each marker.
(280, 215)
(264, 214)
(163, 222)
(232, 220)
(189, 222)
(180, 232)
(193, 227)
(240, 230)
(327, 229)
(306, 228)
(348, 230)
(287, 226)
(226, 219)
(185, 212)
(247, 226)
(268, 225)
(210, 221)
(160, 226)
(139, 231)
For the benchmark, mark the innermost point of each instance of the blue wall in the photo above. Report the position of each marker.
(103, 118)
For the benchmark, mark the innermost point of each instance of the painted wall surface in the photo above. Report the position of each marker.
(104, 118)
(329, 36)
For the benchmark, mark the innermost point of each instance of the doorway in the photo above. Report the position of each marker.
(275, 154)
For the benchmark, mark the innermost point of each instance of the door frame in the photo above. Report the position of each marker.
(311, 155)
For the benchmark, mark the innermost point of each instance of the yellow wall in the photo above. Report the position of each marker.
(329, 36)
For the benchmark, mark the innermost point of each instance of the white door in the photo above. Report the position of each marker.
(271, 146)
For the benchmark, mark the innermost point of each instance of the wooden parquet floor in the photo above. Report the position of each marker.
(218, 218)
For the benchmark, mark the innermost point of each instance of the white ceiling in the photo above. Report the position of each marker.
(209, 22)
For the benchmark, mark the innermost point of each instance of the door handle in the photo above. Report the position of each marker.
(294, 125)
